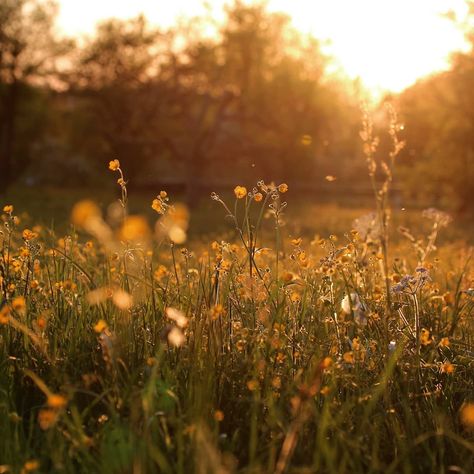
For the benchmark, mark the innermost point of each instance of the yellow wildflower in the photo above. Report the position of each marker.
(283, 188)
(467, 415)
(19, 304)
(240, 192)
(100, 326)
(114, 165)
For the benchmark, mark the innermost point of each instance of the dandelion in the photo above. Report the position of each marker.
(114, 165)
(240, 192)
(258, 197)
(8, 209)
(283, 188)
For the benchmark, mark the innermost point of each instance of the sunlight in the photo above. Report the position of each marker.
(387, 44)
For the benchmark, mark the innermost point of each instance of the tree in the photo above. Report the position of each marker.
(29, 50)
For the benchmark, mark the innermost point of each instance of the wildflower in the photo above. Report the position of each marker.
(100, 326)
(8, 209)
(19, 304)
(56, 401)
(348, 357)
(258, 197)
(330, 178)
(122, 300)
(326, 363)
(240, 192)
(31, 465)
(447, 368)
(253, 385)
(114, 165)
(83, 212)
(29, 234)
(47, 418)
(392, 345)
(444, 342)
(134, 228)
(467, 415)
(218, 415)
(176, 337)
(216, 311)
(4, 315)
(157, 205)
(425, 338)
(177, 316)
(283, 188)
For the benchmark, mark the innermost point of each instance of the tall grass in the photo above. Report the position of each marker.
(123, 351)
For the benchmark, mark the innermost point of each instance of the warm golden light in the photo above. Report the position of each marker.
(387, 44)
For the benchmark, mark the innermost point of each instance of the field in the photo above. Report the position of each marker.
(245, 335)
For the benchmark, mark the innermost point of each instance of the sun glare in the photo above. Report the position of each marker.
(387, 44)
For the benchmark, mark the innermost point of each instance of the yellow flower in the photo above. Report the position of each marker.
(444, 342)
(218, 415)
(100, 326)
(83, 212)
(163, 194)
(29, 234)
(135, 228)
(8, 209)
(19, 304)
(447, 368)
(4, 315)
(467, 415)
(240, 192)
(157, 206)
(56, 401)
(425, 337)
(258, 197)
(253, 385)
(348, 357)
(114, 165)
(283, 188)
(47, 418)
(31, 465)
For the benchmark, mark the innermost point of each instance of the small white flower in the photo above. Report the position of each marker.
(392, 346)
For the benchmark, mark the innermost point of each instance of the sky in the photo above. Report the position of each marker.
(388, 44)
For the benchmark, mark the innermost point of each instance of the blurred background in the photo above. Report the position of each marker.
(200, 96)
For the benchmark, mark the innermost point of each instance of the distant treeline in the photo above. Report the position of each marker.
(249, 98)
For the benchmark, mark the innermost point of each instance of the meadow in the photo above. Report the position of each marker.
(308, 338)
